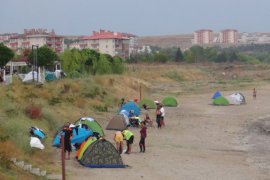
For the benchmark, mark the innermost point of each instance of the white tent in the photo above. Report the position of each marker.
(35, 143)
(29, 76)
(236, 98)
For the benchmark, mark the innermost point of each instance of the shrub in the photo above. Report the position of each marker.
(33, 111)
(54, 100)
(101, 108)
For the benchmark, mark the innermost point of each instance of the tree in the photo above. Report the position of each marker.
(117, 65)
(6, 54)
(103, 65)
(45, 57)
(160, 57)
(69, 63)
(179, 55)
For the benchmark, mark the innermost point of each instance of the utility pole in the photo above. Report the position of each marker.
(35, 65)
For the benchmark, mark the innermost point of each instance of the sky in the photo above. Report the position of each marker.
(139, 17)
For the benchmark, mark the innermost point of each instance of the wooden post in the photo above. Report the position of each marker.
(140, 92)
(63, 157)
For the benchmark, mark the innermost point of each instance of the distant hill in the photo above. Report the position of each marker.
(183, 41)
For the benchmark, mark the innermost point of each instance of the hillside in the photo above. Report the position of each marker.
(98, 96)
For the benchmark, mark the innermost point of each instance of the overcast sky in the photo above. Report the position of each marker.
(140, 17)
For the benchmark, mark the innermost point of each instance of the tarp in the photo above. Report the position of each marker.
(118, 122)
(216, 95)
(29, 76)
(84, 146)
(35, 143)
(131, 106)
(148, 102)
(35, 131)
(79, 135)
(221, 101)
(91, 124)
(101, 154)
(169, 101)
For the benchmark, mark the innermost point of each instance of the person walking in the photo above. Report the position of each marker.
(118, 138)
(162, 111)
(68, 133)
(254, 93)
(143, 136)
(129, 137)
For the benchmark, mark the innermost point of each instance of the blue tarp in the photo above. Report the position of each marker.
(78, 136)
(216, 95)
(131, 106)
(38, 132)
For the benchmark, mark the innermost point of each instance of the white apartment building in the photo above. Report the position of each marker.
(203, 36)
(39, 37)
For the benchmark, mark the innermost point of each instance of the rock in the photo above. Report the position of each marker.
(14, 160)
(20, 164)
(43, 173)
(35, 171)
(27, 167)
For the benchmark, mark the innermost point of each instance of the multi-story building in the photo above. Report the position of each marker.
(39, 37)
(228, 36)
(108, 42)
(203, 36)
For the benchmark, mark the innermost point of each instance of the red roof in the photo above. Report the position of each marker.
(20, 59)
(105, 35)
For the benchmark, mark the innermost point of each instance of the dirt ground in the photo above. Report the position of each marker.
(199, 141)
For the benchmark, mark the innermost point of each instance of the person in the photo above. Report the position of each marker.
(118, 138)
(129, 137)
(68, 133)
(147, 120)
(158, 116)
(133, 119)
(162, 111)
(143, 136)
(254, 93)
(122, 102)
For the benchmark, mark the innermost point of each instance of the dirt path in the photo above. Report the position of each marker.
(200, 141)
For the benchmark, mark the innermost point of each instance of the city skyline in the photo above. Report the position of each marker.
(139, 17)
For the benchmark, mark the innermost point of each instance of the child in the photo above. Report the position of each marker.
(147, 120)
(143, 136)
(118, 138)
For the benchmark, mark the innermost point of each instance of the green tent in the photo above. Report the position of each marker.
(169, 101)
(148, 102)
(221, 101)
(91, 124)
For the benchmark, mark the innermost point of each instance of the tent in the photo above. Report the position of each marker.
(84, 146)
(169, 101)
(148, 102)
(90, 123)
(118, 122)
(34, 131)
(29, 76)
(216, 95)
(79, 135)
(131, 106)
(50, 76)
(239, 97)
(101, 154)
(221, 101)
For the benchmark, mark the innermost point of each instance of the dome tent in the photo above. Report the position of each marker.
(169, 101)
(84, 146)
(148, 102)
(90, 123)
(216, 95)
(101, 154)
(131, 106)
(239, 97)
(221, 101)
(118, 122)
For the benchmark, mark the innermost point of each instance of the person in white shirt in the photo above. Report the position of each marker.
(162, 110)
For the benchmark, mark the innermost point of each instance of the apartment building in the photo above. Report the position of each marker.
(203, 36)
(39, 37)
(229, 36)
(108, 42)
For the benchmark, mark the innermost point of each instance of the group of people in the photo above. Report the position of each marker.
(128, 135)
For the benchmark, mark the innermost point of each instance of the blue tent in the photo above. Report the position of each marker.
(131, 106)
(216, 95)
(79, 135)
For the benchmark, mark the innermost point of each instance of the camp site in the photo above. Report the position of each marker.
(214, 128)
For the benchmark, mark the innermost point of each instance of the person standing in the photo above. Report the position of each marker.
(158, 116)
(129, 137)
(143, 136)
(254, 93)
(68, 133)
(162, 111)
(118, 138)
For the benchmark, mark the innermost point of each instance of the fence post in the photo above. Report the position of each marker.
(63, 157)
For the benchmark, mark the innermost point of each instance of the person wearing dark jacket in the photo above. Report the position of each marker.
(143, 136)
(68, 133)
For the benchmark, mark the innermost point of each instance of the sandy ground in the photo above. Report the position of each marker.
(200, 141)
